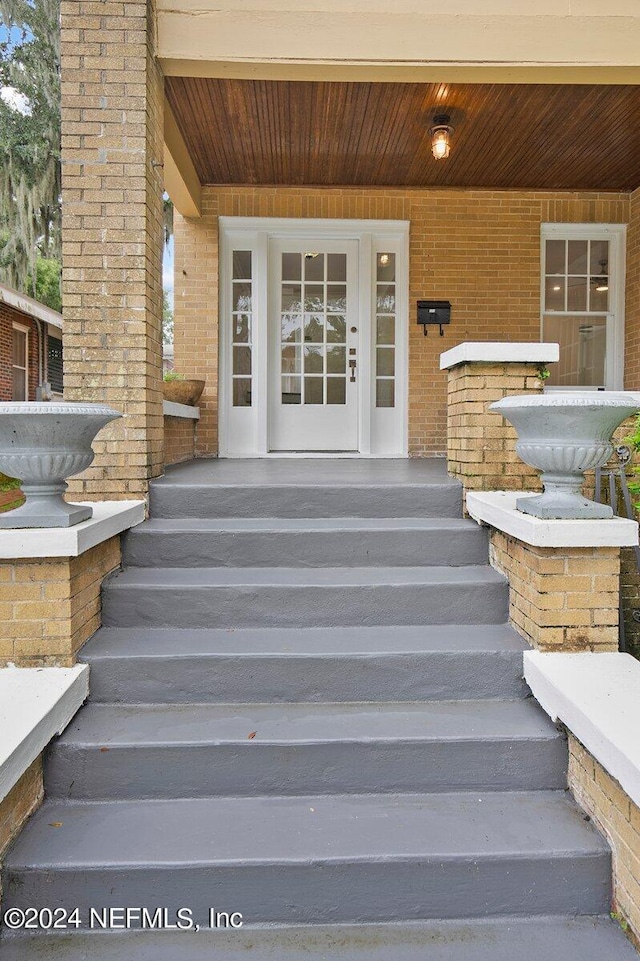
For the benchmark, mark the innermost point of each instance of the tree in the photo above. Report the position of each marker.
(167, 319)
(30, 181)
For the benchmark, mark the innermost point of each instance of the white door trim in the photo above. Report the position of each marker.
(244, 432)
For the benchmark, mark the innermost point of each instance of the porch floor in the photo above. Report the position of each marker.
(309, 471)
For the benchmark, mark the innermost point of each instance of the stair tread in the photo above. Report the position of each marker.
(303, 524)
(328, 828)
(543, 938)
(195, 578)
(117, 642)
(156, 724)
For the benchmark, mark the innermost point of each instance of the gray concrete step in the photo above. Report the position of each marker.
(293, 597)
(152, 665)
(417, 487)
(171, 751)
(306, 542)
(549, 938)
(320, 859)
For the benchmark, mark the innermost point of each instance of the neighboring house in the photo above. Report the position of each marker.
(30, 348)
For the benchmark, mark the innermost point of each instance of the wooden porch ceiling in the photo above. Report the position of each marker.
(518, 136)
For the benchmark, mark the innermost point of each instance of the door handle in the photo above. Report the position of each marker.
(352, 365)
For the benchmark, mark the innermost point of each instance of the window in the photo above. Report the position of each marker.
(582, 303)
(54, 363)
(20, 363)
(385, 329)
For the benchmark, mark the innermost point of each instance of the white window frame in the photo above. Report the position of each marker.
(25, 331)
(244, 431)
(616, 235)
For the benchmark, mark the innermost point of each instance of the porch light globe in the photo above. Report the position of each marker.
(440, 145)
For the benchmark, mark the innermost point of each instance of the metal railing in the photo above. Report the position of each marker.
(612, 481)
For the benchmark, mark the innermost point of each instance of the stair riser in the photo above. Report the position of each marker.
(330, 892)
(406, 548)
(336, 768)
(408, 677)
(415, 500)
(290, 606)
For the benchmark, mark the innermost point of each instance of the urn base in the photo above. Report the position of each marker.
(563, 505)
(45, 509)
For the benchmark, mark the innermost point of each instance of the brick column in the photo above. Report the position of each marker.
(481, 445)
(112, 149)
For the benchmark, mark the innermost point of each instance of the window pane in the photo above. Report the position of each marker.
(337, 267)
(291, 388)
(386, 267)
(336, 360)
(385, 361)
(19, 348)
(576, 293)
(241, 297)
(292, 266)
(19, 384)
(336, 298)
(386, 330)
(599, 294)
(313, 390)
(291, 360)
(336, 329)
(242, 360)
(314, 360)
(554, 293)
(385, 393)
(242, 264)
(241, 326)
(582, 343)
(599, 257)
(241, 392)
(313, 328)
(336, 390)
(314, 267)
(555, 256)
(577, 257)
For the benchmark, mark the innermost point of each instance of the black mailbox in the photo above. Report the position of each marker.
(434, 312)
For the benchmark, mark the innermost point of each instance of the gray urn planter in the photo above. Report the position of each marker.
(43, 444)
(564, 434)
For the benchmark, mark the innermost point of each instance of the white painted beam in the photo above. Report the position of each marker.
(181, 181)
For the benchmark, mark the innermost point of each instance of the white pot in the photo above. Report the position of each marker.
(42, 444)
(563, 434)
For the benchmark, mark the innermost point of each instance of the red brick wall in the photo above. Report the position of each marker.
(8, 317)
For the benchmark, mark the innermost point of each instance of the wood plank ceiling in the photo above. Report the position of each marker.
(532, 136)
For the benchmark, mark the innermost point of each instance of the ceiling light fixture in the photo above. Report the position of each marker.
(602, 283)
(441, 136)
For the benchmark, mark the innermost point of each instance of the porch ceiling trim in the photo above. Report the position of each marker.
(406, 34)
(181, 181)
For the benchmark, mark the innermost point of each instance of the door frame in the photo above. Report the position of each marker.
(244, 432)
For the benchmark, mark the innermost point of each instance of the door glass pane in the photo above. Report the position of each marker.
(313, 297)
(313, 390)
(291, 360)
(385, 393)
(556, 256)
(336, 390)
(336, 298)
(242, 265)
(292, 266)
(336, 267)
(336, 360)
(313, 328)
(314, 360)
(582, 343)
(336, 329)
(291, 388)
(291, 298)
(241, 297)
(241, 330)
(386, 299)
(242, 360)
(242, 392)
(386, 330)
(386, 267)
(385, 361)
(314, 267)
(291, 327)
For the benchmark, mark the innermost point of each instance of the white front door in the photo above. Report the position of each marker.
(313, 345)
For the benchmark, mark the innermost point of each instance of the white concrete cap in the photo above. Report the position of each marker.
(597, 697)
(498, 509)
(171, 409)
(109, 518)
(36, 703)
(499, 353)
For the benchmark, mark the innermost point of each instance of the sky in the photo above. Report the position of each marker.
(167, 270)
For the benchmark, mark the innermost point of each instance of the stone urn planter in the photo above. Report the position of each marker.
(564, 434)
(43, 444)
(183, 391)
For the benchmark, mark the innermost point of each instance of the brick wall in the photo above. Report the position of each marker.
(179, 439)
(618, 818)
(22, 800)
(50, 607)
(112, 151)
(8, 317)
(478, 248)
(561, 599)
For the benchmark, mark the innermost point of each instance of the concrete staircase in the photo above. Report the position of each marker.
(307, 707)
